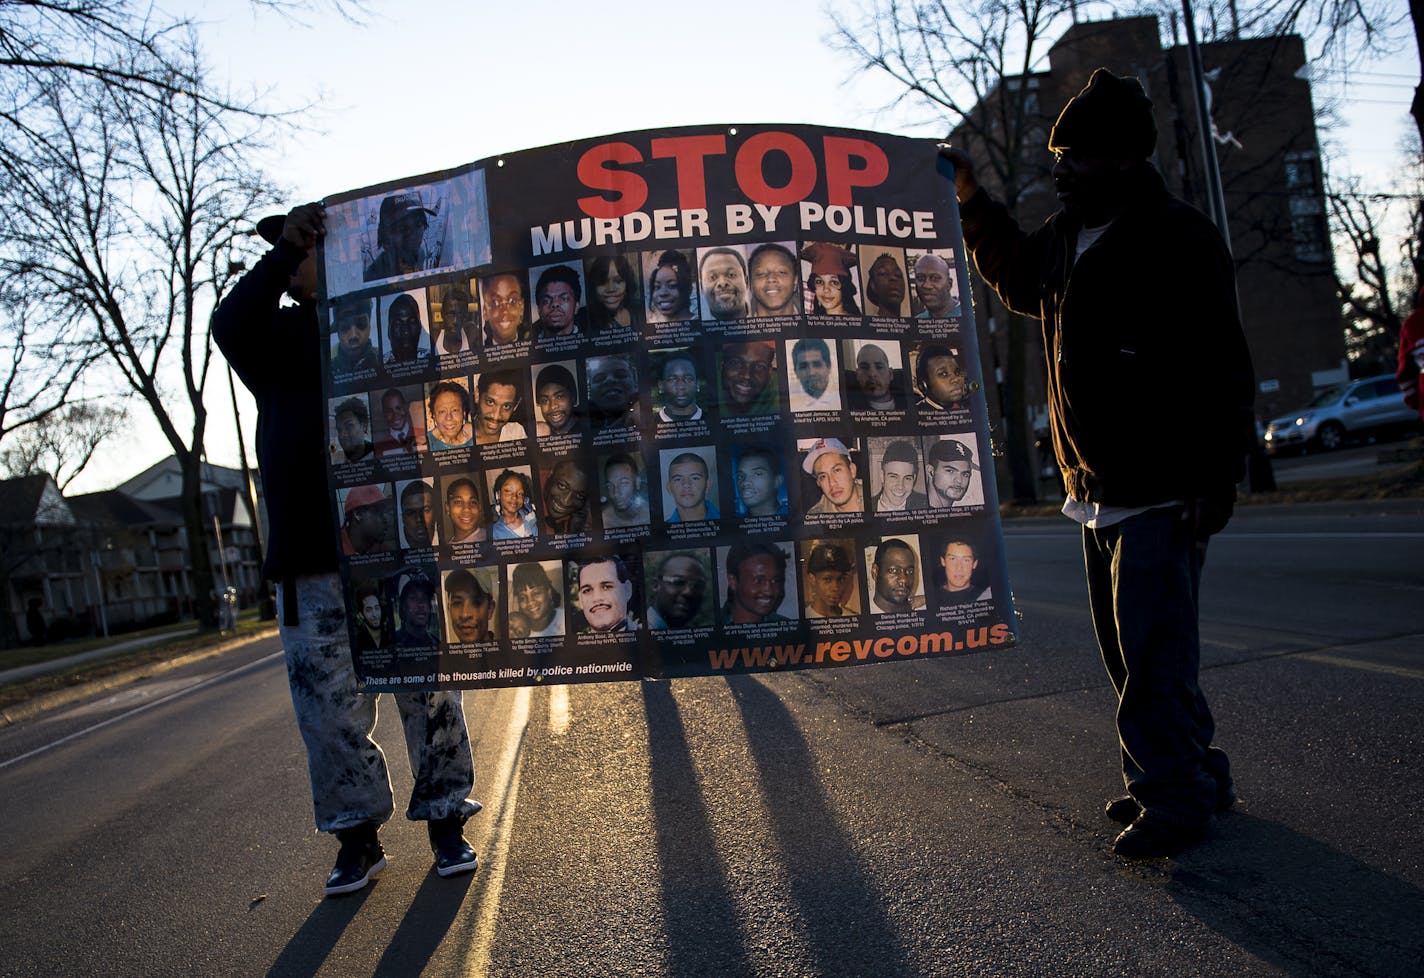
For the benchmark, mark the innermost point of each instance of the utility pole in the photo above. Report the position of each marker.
(267, 605)
(1215, 195)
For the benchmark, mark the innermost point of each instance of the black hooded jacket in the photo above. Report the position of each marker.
(277, 352)
(1150, 386)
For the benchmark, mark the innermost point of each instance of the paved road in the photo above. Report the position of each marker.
(932, 818)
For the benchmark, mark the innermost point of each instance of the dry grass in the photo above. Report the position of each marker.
(103, 668)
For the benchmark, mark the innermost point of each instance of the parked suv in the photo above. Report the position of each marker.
(1369, 405)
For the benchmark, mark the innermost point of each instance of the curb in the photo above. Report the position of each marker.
(72, 694)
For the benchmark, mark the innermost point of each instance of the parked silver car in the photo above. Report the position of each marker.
(1359, 406)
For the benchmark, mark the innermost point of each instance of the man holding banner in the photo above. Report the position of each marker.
(351, 790)
(1149, 486)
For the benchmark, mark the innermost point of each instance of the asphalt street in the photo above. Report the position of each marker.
(925, 818)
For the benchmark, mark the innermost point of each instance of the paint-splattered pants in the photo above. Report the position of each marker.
(349, 781)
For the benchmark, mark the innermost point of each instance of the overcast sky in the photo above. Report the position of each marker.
(431, 85)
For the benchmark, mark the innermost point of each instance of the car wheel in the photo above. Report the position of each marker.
(1331, 436)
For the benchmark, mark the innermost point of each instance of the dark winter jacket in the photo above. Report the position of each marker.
(277, 352)
(1150, 386)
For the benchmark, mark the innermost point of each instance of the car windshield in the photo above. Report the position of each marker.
(1327, 396)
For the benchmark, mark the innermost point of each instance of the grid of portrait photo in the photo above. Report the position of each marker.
(626, 459)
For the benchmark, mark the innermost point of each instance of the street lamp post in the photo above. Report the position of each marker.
(1215, 194)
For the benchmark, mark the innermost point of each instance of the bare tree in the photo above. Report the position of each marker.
(132, 49)
(1411, 279)
(63, 442)
(1372, 319)
(43, 43)
(86, 38)
(40, 363)
(127, 45)
(1343, 29)
(128, 214)
(962, 61)
(1384, 286)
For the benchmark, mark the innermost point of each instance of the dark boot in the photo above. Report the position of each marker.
(1125, 810)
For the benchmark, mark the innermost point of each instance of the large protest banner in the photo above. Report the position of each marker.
(672, 403)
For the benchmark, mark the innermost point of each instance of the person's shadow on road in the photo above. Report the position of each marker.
(426, 923)
(699, 911)
(839, 910)
(1300, 904)
(310, 945)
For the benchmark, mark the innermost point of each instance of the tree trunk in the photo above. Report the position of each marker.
(196, 521)
(1018, 443)
(9, 631)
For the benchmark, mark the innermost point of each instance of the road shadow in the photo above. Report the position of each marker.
(1299, 904)
(841, 911)
(700, 916)
(426, 923)
(314, 940)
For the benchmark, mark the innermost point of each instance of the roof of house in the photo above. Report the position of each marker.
(117, 507)
(164, 478)
(33, 500)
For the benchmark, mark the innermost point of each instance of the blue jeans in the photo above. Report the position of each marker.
(349, 781)
(1143, 584)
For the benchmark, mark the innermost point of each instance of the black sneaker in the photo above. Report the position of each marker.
(453, 854)
(360, 860)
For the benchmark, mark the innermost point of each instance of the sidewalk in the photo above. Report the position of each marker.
(55, 665)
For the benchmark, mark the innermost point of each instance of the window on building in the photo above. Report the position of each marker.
(1309, 235)
(1029, 86)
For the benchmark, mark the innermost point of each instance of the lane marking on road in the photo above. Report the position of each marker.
(506, 781)
(1222, 643)
(559, 710)
(1402, 672)
(140, 709)
(124, 698)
